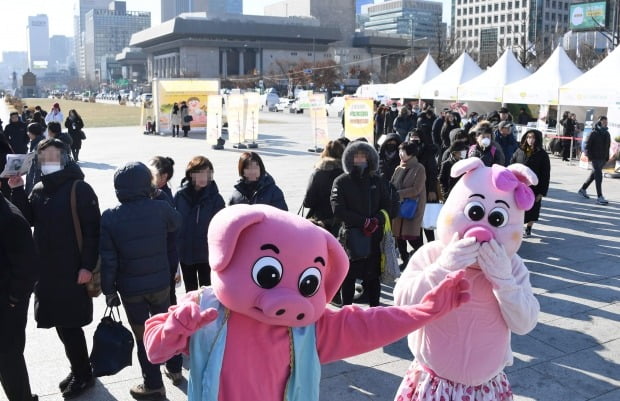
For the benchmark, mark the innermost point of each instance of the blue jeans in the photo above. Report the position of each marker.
(597, 176)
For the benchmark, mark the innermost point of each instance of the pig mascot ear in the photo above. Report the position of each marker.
(465, 166)
(224, 232)
(337, 266)
(523, 174)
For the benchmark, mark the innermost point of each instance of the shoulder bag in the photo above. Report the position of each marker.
(112, 345)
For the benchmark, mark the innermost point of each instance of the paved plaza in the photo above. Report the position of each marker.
(574, 257)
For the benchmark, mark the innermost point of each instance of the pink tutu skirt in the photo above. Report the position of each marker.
(422, 384)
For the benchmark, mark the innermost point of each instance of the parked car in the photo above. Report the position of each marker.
(335, 106)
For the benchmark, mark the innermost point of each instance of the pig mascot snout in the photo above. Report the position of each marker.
(461, 356)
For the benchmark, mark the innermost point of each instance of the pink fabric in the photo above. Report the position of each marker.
(506, 180)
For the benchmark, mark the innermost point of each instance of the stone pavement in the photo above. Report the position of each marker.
(574, 258)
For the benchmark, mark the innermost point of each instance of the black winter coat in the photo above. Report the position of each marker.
(165, 194)
(197, 210)
(403, 125)
(15, 133)
(34, 174)
(60, 301)
(446, 181)
(317, 198)
(387, 163)
(134, 258)
(538, 162)
(428, 160)
(425, 125)
(388, 121)
(18, 264)
(265, 192)
(598, 143)
(74, 133)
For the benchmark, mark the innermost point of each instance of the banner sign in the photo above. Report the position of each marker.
(214, 119)
(359, 118)
(588, 16)
(318, 116)
(252, 103)
(234, 115)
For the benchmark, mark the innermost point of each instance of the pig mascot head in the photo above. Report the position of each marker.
(487, 203)
(273, 266)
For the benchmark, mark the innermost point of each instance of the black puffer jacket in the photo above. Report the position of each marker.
(264, 191)
(60, 301)
(598, 143)
(197, 209)
(319, 191)
(134, 259)
(15, 133)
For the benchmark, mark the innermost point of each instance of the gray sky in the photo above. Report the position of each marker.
(60, 13)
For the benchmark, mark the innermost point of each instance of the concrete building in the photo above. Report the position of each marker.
(107, 32)
(61, 52)
(487, 27)
(80, 9)
(38, 43)
(360, 3)
(12, 62)
(174, 8)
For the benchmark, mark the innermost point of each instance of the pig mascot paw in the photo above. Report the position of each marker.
(191, 318)
(494, 261)
(450, 293)
(459, 253)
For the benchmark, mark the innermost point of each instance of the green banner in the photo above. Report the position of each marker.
(588, 16)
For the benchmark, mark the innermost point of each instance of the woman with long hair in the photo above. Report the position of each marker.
(255, 185)
(74, 125)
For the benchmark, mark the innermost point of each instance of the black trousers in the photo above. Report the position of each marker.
(402, 249)
(195, 276)
(175, 130)
(597, 176)
(74, 342)
(139, 309)
(13, 371)
(367, 270)
(419, 242)
(566, 145)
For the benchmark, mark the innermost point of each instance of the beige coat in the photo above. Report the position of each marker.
(409, 179)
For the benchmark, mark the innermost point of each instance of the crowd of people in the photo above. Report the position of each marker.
(143, 240)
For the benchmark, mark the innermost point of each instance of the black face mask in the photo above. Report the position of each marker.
(391, 147)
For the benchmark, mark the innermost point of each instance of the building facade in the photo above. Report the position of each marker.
(173, 8)
(487, 27)
(107, 32)
(80, 9)
(38, 43)
(61, 52)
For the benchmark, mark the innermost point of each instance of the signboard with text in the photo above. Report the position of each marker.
(588, 16)
(318, 117)
(358, 118)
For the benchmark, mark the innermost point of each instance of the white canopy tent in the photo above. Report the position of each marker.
(599, 86)
(444, 86)
(543, 86)
(409, 88)
(374, 91)
(489, 86)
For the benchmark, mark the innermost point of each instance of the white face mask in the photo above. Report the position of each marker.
(485, 142)
(393, 108)
(50, 168)
(463, 154)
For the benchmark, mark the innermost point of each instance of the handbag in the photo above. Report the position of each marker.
(93, 287)
(408, 208)
(112, 345)
(431, 214)
(188, 119)
(390, 270)
(356, 244)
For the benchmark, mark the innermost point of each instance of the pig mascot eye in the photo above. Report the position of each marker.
(474, 211)
(267, 272)
(498, 217)
(309, 282)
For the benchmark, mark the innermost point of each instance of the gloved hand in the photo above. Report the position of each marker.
(450, 293)
(494, 261)
(370, 226)
(459, 253)
(112, 300)
(191, 318)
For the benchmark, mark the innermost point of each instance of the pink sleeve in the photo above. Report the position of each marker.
(165, 336)
(353, 330)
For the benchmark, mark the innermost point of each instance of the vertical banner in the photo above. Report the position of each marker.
(358, 119)
(252, 107)
(613, 122)
(214, 119)
(318, 117)
(234, 116)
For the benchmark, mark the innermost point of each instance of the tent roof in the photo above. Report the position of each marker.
(488, 86)
(543, 86)
(444, 85)
(410, 86)
(599, 87)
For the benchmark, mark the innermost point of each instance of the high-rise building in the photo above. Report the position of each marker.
(487, 27)
(360, 3)
(61, 52)
(172, 8)
(38, 43)
(107, 32)
(81, 7)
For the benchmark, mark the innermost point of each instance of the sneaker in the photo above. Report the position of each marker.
(63, 384)
(141, 392)
(77, 387)
(527, 232)
(583, 193)
(601, 201)
(175, 377)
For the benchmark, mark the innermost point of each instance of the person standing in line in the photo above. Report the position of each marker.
(61, 298)
(388, 155)
(37, 117)
(403, 124)
(18, 273)
(597, 150)
(35, 133)
(379, 123)
(134, 264)
(74, 125)
(532, 154)
(198, 201)
(55, 115)
(54, 130)
(456, 152)
(175, 120)
(38, 109)
(186, 119)
(390, 116)
(255, 185)
(506, 140)
(15, 133)
(485, 149)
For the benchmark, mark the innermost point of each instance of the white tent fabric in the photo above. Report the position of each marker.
(375, 91)
(489, 86)
(444, 86)
(599, 86)
(543, 86)
(410, 87)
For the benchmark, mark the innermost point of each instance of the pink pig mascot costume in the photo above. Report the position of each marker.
(461, 356)
(261, 331)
